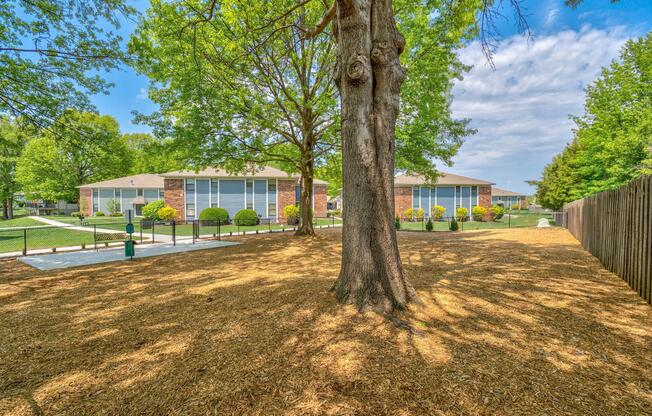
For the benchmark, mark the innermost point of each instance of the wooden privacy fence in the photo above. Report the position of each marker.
(616, 227)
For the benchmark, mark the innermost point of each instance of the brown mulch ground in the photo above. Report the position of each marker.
(514, 322)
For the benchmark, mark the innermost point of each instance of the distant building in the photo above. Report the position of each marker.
(507, 199)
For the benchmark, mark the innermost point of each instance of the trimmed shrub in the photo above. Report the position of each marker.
(215, 214)
(150, 211)
(167, 213)
(397, 222)
(420, 214)
(292, 214)
(116, 214)
(454, 226)
(438, 212)
(246, 217)
(99, 214)
(76, 214)
(461, 214)
(478, 213)
(514, 207)
(429, 225)
(409, 214)
(496, 212)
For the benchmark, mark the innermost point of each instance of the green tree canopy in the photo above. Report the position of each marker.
(51, 52)
(151, 155)
(12, 142)
(612, 143)
(89, 148)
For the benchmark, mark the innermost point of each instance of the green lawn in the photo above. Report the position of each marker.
(19, 222)
(39, 238)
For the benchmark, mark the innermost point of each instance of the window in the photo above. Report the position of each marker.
(140, 192)
(415, 198)
(190, 191)
(250, 194)
(271, 198)
(214, 192)
(95, 200)
(161, 193)
(190, 210)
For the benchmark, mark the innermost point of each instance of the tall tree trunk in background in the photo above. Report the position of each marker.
(369, 77)
(5, 211)
(10, 208)
(307, 179)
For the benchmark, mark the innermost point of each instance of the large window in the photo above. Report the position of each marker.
(250, 194)
(415, 198)
(271, 198)
(190, 210)
(96, 200)
(118, 197)
(215, 193)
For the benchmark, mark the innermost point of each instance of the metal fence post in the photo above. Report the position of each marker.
(509, 221)
(141, 231)
(153, 222)
(174, 233)
(219, 229)
(95, 236)
(24, 241)
(194, 231)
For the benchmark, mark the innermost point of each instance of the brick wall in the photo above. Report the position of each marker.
(485, 196)
(321, 201)
(86, 201)
(402, 199)
(286, 195)
(174, 194)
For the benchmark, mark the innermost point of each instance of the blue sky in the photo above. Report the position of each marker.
(521, 108)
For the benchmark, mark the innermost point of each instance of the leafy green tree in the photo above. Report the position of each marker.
(51, 167)
(151, 155)
(51, 52)
(612, 143)
(12, 142)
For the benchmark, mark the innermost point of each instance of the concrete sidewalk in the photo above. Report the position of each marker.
(90, 257)
(89, 229)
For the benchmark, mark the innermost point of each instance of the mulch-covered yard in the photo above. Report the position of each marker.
(514, 322)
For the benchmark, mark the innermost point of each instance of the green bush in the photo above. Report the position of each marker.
(215, 214)
(99, 214)
(150, 211)
(478, 213)
(409, 214)
(116, 214)
(292, 214)
(429, 225)
(438, 212)
(167, 213)
(420, 214)
(461, 214)
(397, 222)
(76, 214)
(454, 226)
(246, 217)
(514, 207)
(496, 212)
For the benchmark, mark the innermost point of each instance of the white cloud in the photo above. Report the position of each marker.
(142, 94)
(521, 108)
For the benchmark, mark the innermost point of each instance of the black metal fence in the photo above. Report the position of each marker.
(93, 233)
(513, 219)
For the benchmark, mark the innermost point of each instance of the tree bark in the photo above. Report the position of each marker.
(5, 210)
(369, 77)
(10, 208)
(305, 224)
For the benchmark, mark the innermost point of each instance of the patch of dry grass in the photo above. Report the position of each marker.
(513, 322)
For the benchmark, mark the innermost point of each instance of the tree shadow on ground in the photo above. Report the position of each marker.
(512, 322)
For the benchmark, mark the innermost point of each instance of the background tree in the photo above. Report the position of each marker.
(612, 143)
(238, 92)
(151, 155)
(93, 150)
(51, 52)
(12, 142)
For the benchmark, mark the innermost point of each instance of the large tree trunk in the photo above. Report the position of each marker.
(369, 77)
(305, 224)
(10, 208)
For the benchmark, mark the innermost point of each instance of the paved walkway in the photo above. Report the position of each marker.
(89, 257)
(55, 223)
